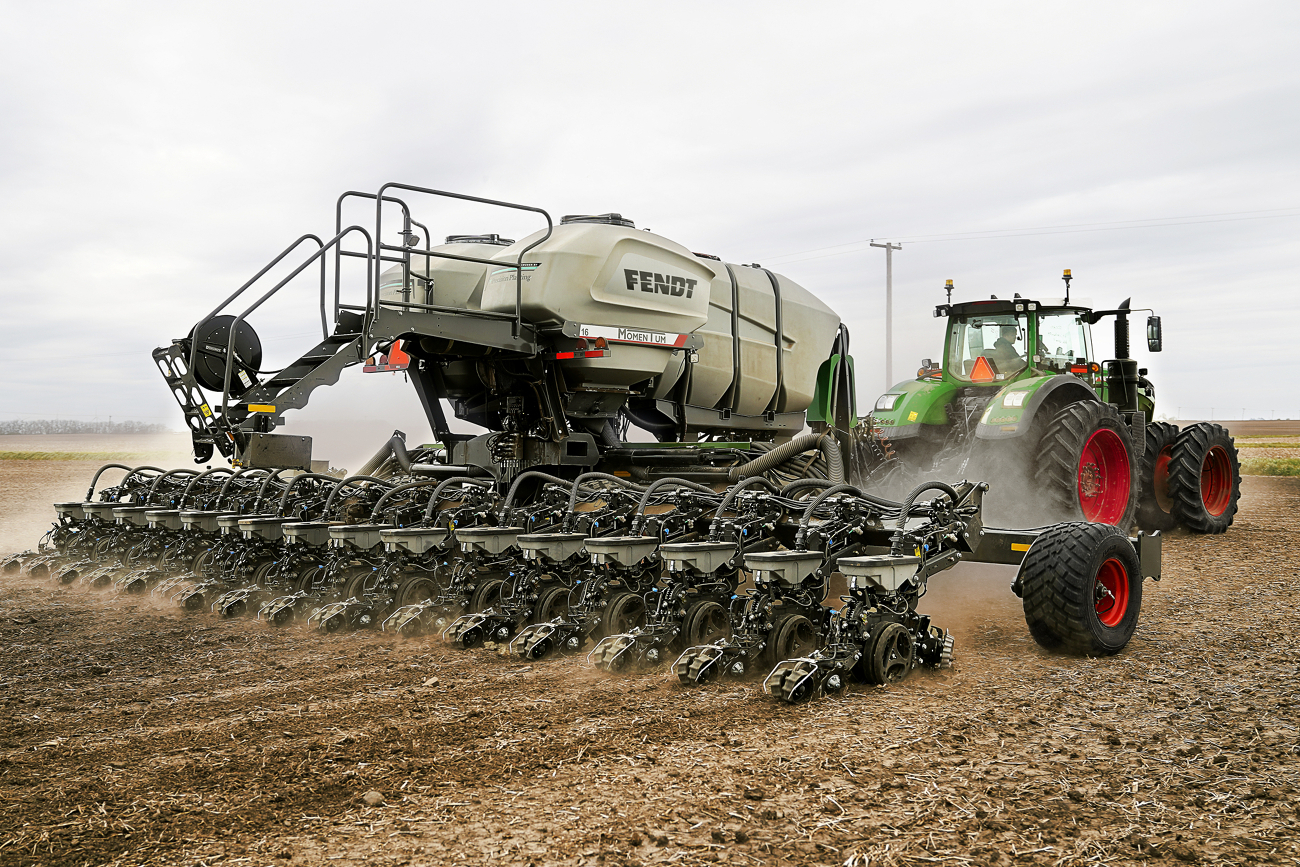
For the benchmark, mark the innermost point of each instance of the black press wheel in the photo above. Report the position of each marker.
(891, 655)
(793, 637)
(486, 594)
(1204, 478)
(706, 622)
(1155, 507)
(1086, 465)
(1082, 589)
(552, 602)
(625, 612)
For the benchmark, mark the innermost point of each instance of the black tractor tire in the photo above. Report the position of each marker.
(415, 589)
(792, 637)
(1081, 585)
(1086, 465)
(624, 612)
(1205, 478)
(1155, 506)
(552, 602)
(705, 623)
(486, 594)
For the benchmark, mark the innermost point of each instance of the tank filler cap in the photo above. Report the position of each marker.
(495, 240)
(606, 219)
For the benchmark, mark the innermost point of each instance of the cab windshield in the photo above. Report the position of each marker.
(1063, 339)
(999, 339)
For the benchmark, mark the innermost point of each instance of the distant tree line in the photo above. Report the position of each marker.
(69, 426)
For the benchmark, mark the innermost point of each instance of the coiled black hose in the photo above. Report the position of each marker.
(731, 497)
(782, 453)
(816, 501)
(896, 542)
(531, 474)
(347, 483)
(437, 492)
(186, 493)
(639, 520)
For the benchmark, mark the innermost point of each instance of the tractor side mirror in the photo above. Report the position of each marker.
(1153, 333)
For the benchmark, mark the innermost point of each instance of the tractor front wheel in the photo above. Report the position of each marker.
(1086, 465)
(1155, 507)
(1082, 589)
(1204, 478)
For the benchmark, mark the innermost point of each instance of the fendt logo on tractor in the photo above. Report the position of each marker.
(669, 284)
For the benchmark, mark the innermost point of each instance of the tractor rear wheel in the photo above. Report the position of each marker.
(1086, 465)
(1204, 478)
(1082, 589)
(1155, 506)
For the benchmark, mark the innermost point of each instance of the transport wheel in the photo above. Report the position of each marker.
(485, 595)
(705, 623)
(793, 636)
(891, 655)
(416, 589)
(624, 612)
(1155, 505)
(1082, 589)
(553, 602)
(1086, 466)
(1204, 478)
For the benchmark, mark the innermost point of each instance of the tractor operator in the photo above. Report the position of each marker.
(1004, 354)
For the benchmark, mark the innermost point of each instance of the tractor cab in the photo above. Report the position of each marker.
(996, 342)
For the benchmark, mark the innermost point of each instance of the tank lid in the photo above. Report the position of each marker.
(607, 219)
(496, 240)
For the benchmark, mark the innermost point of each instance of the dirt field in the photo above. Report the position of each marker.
(131, 734)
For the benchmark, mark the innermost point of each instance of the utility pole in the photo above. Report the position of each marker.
(889, 309)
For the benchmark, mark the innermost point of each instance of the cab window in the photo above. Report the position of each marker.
(1063, 339)
(1000, 339)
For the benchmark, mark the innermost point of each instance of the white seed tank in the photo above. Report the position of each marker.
(645, 294)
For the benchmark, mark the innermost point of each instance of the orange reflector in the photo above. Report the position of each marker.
(396, 356)
(982, 371)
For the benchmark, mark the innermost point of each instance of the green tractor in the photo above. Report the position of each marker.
(1021, 401)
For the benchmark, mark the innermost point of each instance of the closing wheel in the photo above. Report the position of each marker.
(553, 602)
(793, 636)
(1204, 478)
(1086, 466)
(706, 622)
(891, 655)
(1082, 589)
(625, 612)
(1155, 506)
(485, 595)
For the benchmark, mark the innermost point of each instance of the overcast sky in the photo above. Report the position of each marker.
(154, 156)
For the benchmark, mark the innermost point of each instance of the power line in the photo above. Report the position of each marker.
(1062, 229)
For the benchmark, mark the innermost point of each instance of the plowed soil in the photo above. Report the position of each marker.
(134, 734)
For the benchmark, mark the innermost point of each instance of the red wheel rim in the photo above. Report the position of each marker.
(1160, 479)
(1216, 481)
(1111, 593)
(1103, 478)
